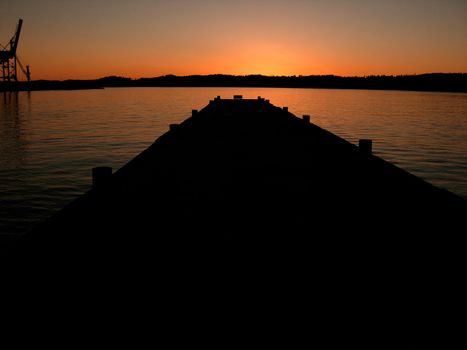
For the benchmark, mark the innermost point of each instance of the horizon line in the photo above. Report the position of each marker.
(259, 75)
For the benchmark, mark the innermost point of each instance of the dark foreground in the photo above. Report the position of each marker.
(247, 221)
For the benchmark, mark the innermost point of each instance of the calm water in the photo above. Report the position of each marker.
(50, 140)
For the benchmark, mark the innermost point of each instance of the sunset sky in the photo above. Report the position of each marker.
(86, 39)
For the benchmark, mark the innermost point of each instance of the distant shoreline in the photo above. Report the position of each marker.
(435, 82)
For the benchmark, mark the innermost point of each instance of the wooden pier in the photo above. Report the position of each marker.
(246, 208)
(243, 172)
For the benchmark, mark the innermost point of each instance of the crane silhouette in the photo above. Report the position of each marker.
(9, 59)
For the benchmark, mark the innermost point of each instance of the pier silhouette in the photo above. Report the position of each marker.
(247, 171)
(243, 195)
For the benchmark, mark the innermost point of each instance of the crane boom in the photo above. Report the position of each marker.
(15, 39)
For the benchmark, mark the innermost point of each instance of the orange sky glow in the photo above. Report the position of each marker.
(142, 38)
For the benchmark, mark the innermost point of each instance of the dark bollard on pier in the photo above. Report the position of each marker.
(101, 176)
(365, 146)
(306, 118)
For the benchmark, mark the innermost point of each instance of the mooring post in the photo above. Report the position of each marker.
(306, 118)
(365, 146)
(101, 176)
(238, 97)
(194, 112)
(286, 109)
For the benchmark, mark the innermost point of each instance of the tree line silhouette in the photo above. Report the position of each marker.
(449, 82)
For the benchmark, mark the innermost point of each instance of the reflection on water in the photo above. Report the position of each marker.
(49, 140)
